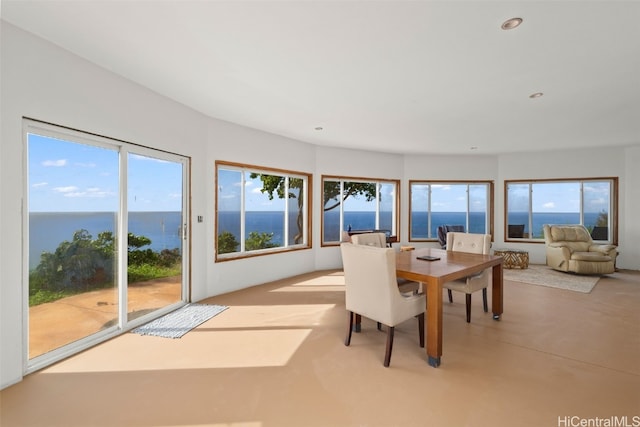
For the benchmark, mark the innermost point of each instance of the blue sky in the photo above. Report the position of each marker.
(448, 198)
(229, 193)
(547, 197)
(71, 177)
(559, 197)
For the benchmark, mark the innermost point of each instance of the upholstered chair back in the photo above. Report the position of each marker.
(576, 237)
(475, 244)
(378, 240)
(469, 242)
(444, 229)
(371, 288)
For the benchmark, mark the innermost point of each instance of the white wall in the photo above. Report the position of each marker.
(41, 81)
(630, 210)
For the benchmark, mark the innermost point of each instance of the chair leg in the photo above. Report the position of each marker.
(347, 340)
(484, 300)
(421, 328)
(450, 295)
(468, 308)
(387, 356)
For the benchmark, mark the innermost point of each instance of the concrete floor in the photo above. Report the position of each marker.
(276, 357)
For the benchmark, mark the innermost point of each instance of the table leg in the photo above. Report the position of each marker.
(496, 303)
(434, 323)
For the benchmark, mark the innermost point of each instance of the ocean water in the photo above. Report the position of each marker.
(419, 222)
(477, 221)
(540, 219)
(48, 230)
(353, 220)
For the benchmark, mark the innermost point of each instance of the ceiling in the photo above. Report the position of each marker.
(423, 77)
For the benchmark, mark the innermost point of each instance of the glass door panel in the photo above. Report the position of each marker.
(155, 234)
(597, 207)
(295, 208)
(448, 206)
(72, 255)
(478, 196)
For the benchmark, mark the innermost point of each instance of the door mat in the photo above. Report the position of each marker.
(179, 322)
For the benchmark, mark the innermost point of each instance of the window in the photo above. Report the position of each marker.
(436, 203)
(358, 204)
(260, 210)
(590, 202)
(107, 244)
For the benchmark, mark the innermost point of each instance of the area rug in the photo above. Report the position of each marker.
(179, 322)
(544, 276)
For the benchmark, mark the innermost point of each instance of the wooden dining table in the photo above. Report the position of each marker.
(433, 274)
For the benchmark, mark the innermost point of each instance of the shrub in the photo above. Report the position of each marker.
(227, 243)
(84, 264)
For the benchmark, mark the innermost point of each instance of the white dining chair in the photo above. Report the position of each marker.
(371, 290)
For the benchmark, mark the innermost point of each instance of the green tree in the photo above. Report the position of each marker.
(137, 256)
(603, 219)
(83, 264)
(75, 264)
(259, 241)
(274, 185)
(227, 243)
(105, 243)
(135, 242)
(332, 196)
(169, 257)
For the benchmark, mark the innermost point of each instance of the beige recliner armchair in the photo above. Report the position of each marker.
(571, 249)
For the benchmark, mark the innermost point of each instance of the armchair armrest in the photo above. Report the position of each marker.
(557, 245)
(610, 250)
(558, 255)
(560, 246)
(602, 248)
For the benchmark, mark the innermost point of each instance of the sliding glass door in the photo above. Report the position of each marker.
(107, 239)
(156, 230)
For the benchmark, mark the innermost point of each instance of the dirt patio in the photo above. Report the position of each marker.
(80, 315)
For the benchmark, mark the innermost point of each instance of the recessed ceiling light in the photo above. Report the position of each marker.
(536, 95)
(512, 23)
(318, 128)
